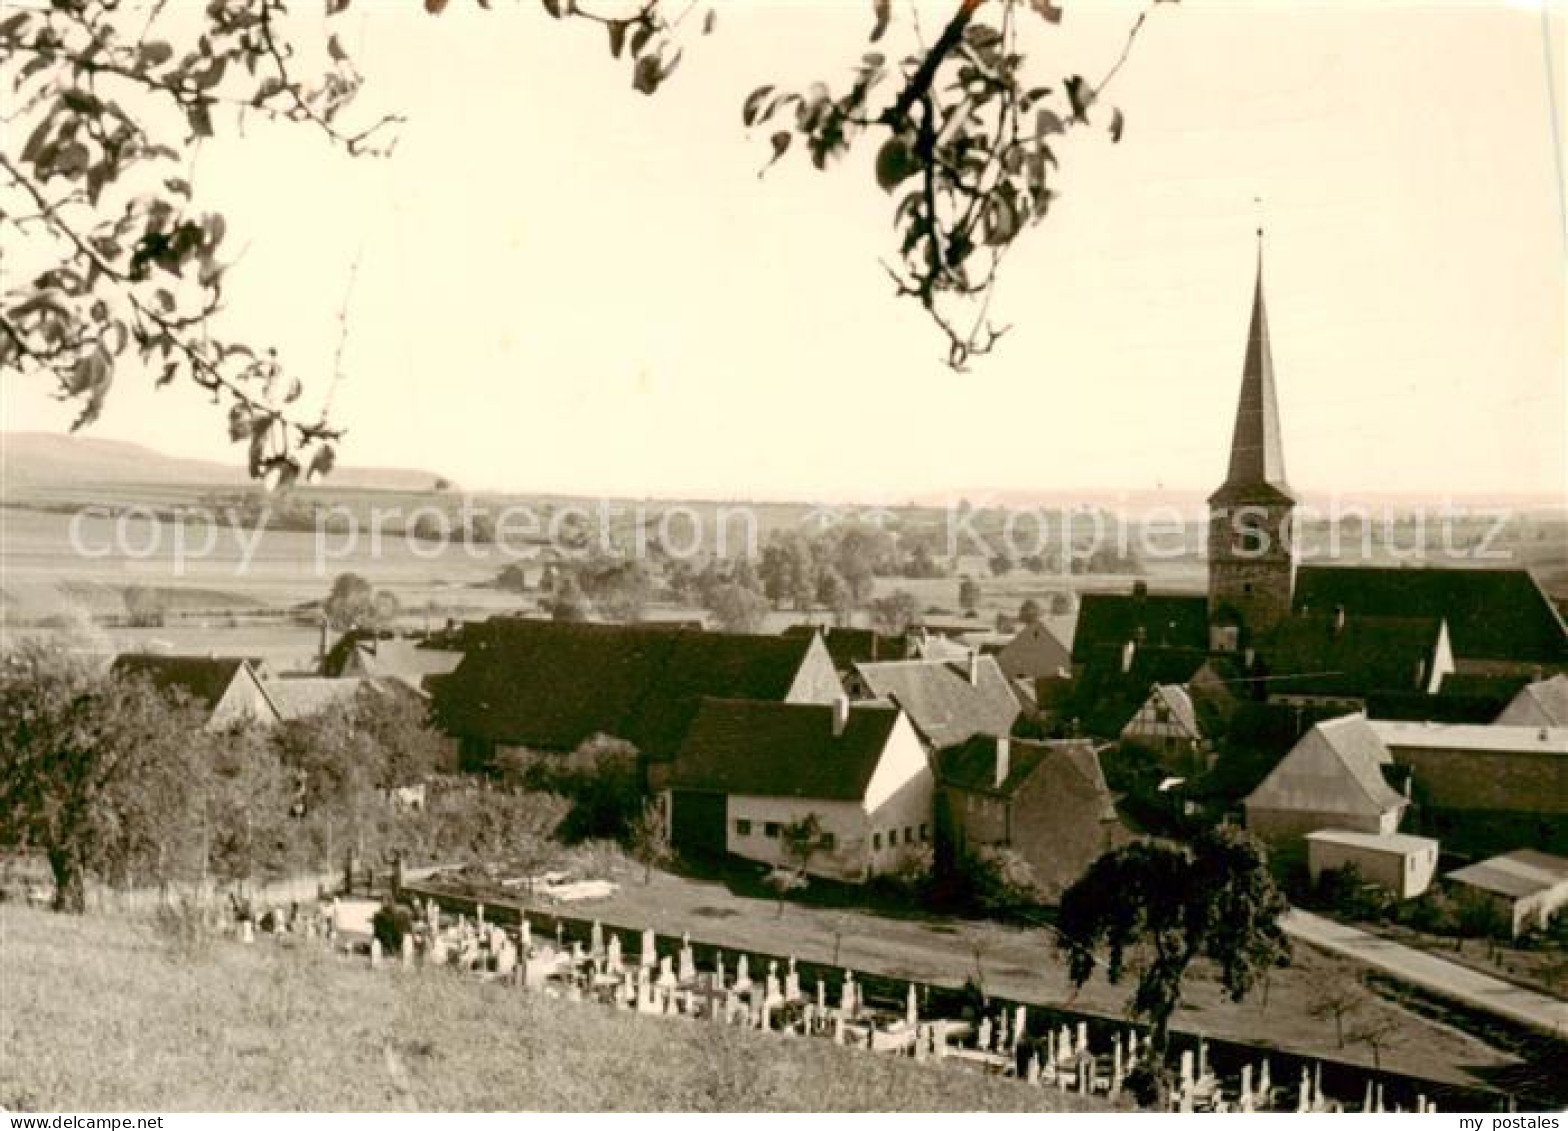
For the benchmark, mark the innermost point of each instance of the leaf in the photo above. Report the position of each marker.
(321, 463)
(1046, 123)
(1118, 122)
(647, 74)
(156, 53)
(780, 142)
(335, 49)
(895, 162)
(751, 110)
(435, 7)
(710, 21)
(641, 36)
(882, 12)
(1049, 11)
(1081, 95)
(241, 424)
(334, 7)
(554, 8)
(617, 30)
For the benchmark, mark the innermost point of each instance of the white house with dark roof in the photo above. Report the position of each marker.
(749, 768)
(1332, 779)
(1167, 723)
(226, 689)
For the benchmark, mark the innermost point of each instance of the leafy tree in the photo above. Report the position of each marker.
(1339, 999)
(1154, 908)
(969, 594)
(833, 593)
(513, 578)
(109, 103)
(650, 838)
(355, 603)
(567, 602)
(619, 587)
(94, 770)
(790, 570)
(800, 840)
(894, 614)
(146, 608)
(737, 608)
(1029, 612)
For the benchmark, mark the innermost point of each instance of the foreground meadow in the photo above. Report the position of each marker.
(101, 1014)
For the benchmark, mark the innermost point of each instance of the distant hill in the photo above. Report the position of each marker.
(49, 459)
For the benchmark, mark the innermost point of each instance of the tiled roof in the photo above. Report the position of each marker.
(1515, 874)
(552, 685)
(736, 746)
(1492, 614)
(204, 678)
(1311, 655)
(1337, 767)
(1493, 739)
(302, 697)
(971, 766)
(1153, 620)
(1543, 703)
(942, 703)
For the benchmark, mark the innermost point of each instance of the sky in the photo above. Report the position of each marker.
(563, 285)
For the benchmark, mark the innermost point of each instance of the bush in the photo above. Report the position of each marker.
(390, 924)
(601, 779)
(1434, 913)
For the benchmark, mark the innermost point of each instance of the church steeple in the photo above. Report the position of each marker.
(1251, 560)
(1257, 452)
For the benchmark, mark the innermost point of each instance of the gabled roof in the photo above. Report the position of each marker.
(1337, 767)
(851, 646)
(1515, 874)
(1155, 620)
(299, 698)
(1316, 655)
(399, 659)
(1543, 703)
(1068, 764)
(742, 746)
(1492, 614)
(1178, 703)
(206, 679)
(1257, 452)
(942, 702)
(553, 685)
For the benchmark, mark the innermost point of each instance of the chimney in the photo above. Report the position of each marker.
(1004, 758)
(974, 667)
(840, 714)
(1129, 650)
(1339, 619)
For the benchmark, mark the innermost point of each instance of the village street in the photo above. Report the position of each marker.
(1493, 995)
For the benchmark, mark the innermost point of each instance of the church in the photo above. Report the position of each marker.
(1311, 635)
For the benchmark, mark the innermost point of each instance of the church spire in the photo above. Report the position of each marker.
(1257, 453)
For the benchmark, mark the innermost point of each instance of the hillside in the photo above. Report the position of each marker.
(48, 459)
(262, 1028)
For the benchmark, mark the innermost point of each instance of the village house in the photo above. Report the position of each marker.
(948, 701)
(1524, 888)
(1486, 788)
(1543, 703)
(370, 656)
(1337, 660)
(1046, 801)
(746, 770)
(1034, 652)
(1167, 724)
(550, 686)
(226, 689)
(1334, 778)
(1402, 865)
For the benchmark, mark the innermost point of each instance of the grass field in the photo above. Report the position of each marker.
(99, 1014)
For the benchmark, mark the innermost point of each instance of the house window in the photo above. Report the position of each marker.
(876, 842)
(909, 834)
(925, 833)
(743, 827)
(770, 829)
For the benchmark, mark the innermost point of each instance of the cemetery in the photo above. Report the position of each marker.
(638, 971)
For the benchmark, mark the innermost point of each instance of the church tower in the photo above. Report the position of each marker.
(1251, 567)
